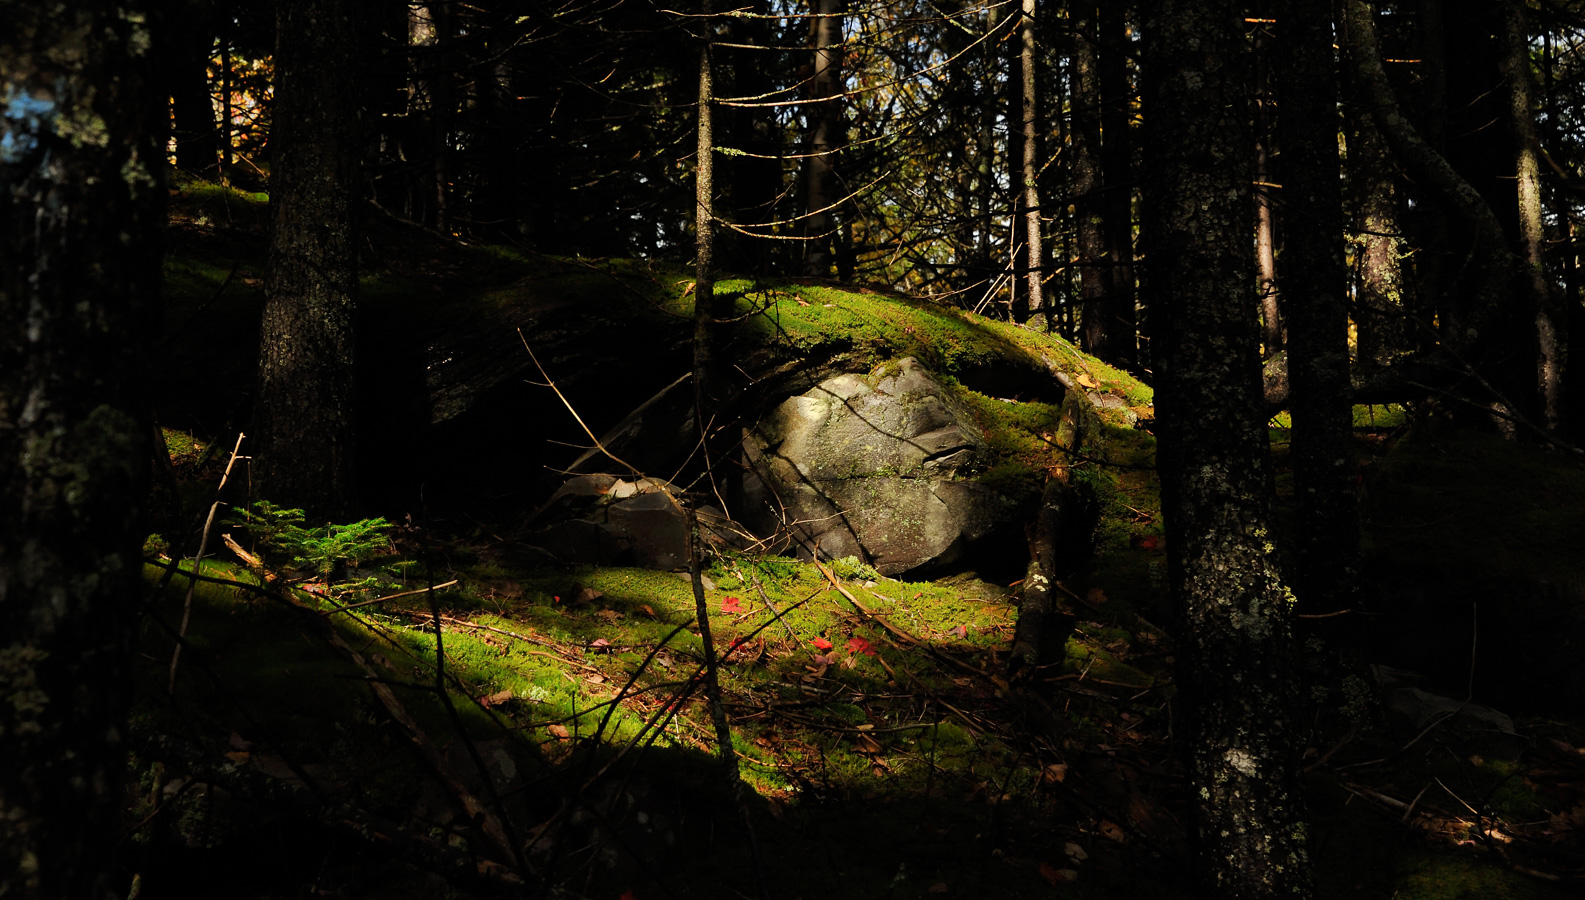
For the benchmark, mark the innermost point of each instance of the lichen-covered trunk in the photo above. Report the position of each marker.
(1235, 669)
(81, 206)
(1315, 290)
(1383, 323)
(1029, 172)
(1551, 320)
(303, 407)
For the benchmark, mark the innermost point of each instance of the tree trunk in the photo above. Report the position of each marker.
(1491, 266)
(1234, 658)
(821, 191)
(303, 407)
(1034, 247)
(1315, 291)
(1384, 329)
(704, 365)
(190, 37)
(1550, 316)
(1117, 153)
(79, 278)
(1265, 216)
(1095, 324)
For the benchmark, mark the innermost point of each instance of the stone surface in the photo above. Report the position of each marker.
(878, 467)
(604, 520)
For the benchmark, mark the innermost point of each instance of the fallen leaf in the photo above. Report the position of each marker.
(802, 303)
(1095, 596)
(825, 660)
(860, 645)
(823, 644)
(1075, 852)
(238, 756)
(1056, 772)
(496, 699)
(647, 610)
(596, 678)
(559, 731)
(939, 887)
(1055, 875)
(1150, 542)
(238, 742)
(610, 615)
(1087, 381)
(732, 605)
(600, 645)
(961, 631)
(866, 744)
(1111, 831)
(588, 595)
(628, 895)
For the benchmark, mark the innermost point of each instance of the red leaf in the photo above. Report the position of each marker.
(629, 895)
(961, 631)
(860, 645)
(823, 644)
(732, 605)
(600, 645)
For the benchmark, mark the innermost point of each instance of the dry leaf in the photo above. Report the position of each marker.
(496, 699)
(1075, 852)
(866, 744)
(610, 615)
(559, 731)
(1095, 597)
(1111, 831)
(939, 887)
(647, 610)
(1056, 772)
(1087, 381)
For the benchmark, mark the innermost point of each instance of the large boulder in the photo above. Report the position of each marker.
(878, 467)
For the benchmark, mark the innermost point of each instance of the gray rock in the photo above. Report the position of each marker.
(878, 467)
(603, 520)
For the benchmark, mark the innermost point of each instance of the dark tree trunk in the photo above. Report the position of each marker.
(821, 191)
(1234, 658)
(1314, 288)
(79, 275)
(303, 413)
(1490, 271)
(191, 36)
(1095, 324)
(1117, 152)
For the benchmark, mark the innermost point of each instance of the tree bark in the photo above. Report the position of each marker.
(1265, 215)
(81, 207)
(705, 396)
(303, 407)
(1034, 247)
(1117, 153)
(1095, 324)
(1492, 264)
(1381, 319)
(1234, 659)
(1550, 316)
(1315, 291)
(825, 136)
(190, 36)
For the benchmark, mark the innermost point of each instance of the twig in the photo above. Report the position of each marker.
(505, 839)
(192, 586)
(335, 609)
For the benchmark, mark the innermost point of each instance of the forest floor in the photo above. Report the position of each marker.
(334, 707)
